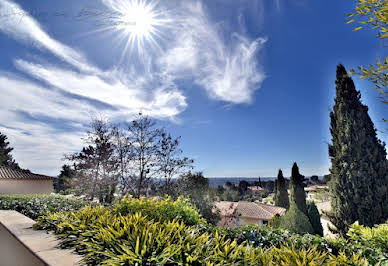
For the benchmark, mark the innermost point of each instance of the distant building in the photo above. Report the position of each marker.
(23, 182)
(245, 213)
(312, 189)
(255, 189)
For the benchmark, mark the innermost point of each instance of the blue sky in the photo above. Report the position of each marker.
(247, 84)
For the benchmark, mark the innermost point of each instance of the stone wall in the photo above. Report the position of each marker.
(20, 245)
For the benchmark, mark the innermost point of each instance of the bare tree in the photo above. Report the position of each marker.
(124, 156)
(97, 164)
(131, 158)
(143, 138)
(170, 160)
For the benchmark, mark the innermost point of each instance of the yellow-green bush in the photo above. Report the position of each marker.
(160, 210)
(107, 237)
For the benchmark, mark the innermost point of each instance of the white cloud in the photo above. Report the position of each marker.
(20, 25)
(32, 114)
(19, 94)
(227, 69)
(38, 147)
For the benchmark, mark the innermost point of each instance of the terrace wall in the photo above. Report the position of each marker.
(20, 245)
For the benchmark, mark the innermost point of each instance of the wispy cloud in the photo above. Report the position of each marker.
(68, 93)
(228, 69)
(20, 25)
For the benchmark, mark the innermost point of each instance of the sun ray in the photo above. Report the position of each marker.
(138, 22)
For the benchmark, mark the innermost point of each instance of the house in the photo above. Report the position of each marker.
(312, 190)
(244, 213)
(14, 181)
(255, 190)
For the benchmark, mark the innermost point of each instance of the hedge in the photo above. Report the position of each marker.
(37, 205)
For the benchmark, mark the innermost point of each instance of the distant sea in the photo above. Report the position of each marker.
(214, 182)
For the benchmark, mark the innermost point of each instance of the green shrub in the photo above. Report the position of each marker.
(106, 237)
(315, 218)
(258, 236)
(34, 206)
(373, 242)
(294, 221)
(160, 210)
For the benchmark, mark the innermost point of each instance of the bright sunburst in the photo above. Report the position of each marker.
(138, 22)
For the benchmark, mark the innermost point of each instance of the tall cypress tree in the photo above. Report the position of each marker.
(5, 153)
(297, 194)
(359, 170)
(281, 195)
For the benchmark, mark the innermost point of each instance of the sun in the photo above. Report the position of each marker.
(139, 22)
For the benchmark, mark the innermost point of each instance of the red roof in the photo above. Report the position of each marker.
(248, 209)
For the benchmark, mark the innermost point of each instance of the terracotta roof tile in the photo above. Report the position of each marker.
(8, 173)
(248, 209)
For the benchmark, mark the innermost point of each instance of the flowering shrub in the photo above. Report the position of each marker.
(34, 206)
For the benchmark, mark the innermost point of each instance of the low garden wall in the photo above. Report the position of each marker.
(20, 245)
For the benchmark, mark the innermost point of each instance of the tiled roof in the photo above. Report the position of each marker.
(226, 208)
(256, 188)
(316, 187)
(8, 173)
(248, 209)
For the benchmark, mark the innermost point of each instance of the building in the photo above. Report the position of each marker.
(245, 213)
(312, 190)
(23, 182)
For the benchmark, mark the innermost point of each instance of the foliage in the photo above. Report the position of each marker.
(143, 140)
(107, 238)
(321, 195)
(373, 14)
(372, 246)
(63, 182)
(326, 179)
(373, 241)
(6, 158)
(171, 163)
(281, 195)
(294, 221)
(314, 179)
(34, 206)
(359, 171)
(258, 236)
(96, 164)
(160, 210)
(315, 218)
(297, 194)
(230, 195)
(195, 187)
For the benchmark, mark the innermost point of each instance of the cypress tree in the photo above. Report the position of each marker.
(5, 153)
(297, 194)
(63, 181)
(315, 218)
(281, 195)
(359, 168)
